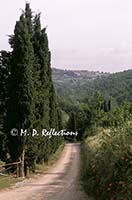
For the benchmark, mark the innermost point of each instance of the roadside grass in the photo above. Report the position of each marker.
(9, 181)
(40, 168)
(107, 164)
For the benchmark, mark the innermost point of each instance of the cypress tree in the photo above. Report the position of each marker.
(21, 91)
(31, 142)
(48, 103)
(40, 44)
(37, 68)
(45, 79)
(42, 90)
(48, 107)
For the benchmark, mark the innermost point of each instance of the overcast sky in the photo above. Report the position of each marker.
(83, 34)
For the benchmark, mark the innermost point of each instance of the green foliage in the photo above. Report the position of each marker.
(71, 125)
(116, 87)
(4, 76)
(106, 164)
(117, 116)
(28, 99)
(21, 87)
(7, 182)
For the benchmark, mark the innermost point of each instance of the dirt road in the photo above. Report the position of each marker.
(59, 183)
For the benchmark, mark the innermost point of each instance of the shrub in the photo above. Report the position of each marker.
(107, 164)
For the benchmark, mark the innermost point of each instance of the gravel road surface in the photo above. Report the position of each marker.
(61, 182)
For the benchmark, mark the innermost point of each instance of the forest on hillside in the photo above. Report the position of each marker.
(116, 86)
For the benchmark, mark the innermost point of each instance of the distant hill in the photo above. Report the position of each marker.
(78, 85)
(60, 74)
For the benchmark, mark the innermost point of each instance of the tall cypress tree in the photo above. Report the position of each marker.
(48, 107)
(47, 97)
(45, 79)
(21, 92)
(37, 68)
(40, 43)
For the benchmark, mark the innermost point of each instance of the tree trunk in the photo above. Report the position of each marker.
(21, 166)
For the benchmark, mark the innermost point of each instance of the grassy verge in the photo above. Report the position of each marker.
(7, 182)
(107, 164)
(40, 168)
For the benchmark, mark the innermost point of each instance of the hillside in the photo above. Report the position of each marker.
(116, 86)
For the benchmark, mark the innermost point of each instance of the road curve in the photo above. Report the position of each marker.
(61, 182)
